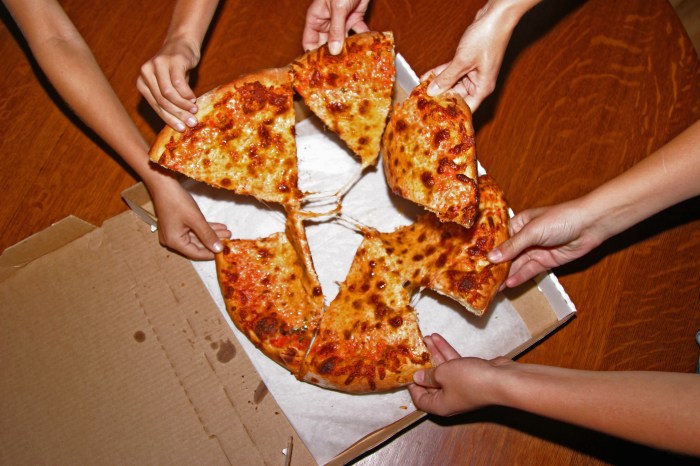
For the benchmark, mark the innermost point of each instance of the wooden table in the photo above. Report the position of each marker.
(587, 89)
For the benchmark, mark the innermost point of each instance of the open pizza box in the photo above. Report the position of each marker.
(115, 350)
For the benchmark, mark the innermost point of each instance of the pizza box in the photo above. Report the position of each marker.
(116, 350)
(350, 424)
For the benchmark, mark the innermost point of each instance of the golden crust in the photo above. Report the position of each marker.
(476, 286)
(429, 156)
(450, 259)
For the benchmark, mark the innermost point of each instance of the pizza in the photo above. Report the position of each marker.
(450, 259)
(350, 92)
(244, 141)
(368, 339)
(270, 294)
(429, 157)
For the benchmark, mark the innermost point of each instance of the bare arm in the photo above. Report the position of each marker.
(474, 69)
(164, 80)
(547, 237)
(72, 69)
(660, 409)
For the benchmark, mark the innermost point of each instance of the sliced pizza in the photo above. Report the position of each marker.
(450, 259)
(244, 141)
(270, 294)
(351, 92)
(368, 339)
(429, 157)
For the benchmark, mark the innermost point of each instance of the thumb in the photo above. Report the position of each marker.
(336, 34)
(426, 378)
(207, 236)
(512, 247)
(446, 79)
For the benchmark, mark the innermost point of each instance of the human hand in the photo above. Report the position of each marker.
(547, 237)
(330, 20)
(181, 225)
(473, 70)
(164, 83)
(454, 384)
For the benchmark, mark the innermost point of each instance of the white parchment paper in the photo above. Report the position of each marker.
(327, 421)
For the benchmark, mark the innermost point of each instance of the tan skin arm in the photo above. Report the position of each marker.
(659, 409)
(164, 79)
(547, 237)
(70, 66)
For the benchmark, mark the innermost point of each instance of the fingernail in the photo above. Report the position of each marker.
(193, 109)
(494, 255)
(217, 247)
(180, 127)
(334, 47)
(419, 377)
(191, 122)
(433, 89)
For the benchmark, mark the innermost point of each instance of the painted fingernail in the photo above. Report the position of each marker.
(180, 127)
(494, 255)
(191, 122)
(433, 89)
(217, 247)
(335, 47)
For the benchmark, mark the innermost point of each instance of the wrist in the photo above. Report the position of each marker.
(605, 214)
(511, 10)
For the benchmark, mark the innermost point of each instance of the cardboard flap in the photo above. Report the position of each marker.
(138, 200)
(56, 236)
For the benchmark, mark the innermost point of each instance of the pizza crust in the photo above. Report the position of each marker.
(368, 339)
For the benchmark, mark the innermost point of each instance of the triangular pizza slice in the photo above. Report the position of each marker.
(351, 92)
(429, 157)
(271, 295)
(244, 141)
(368, 339)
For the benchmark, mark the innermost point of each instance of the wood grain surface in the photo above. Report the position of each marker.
(587, 89)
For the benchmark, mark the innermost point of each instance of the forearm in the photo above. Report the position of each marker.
(510, 11)
(191, 20)
(653, 408)
(70, 66)
(664, 178)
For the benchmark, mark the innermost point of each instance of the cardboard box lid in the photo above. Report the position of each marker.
(113, 352)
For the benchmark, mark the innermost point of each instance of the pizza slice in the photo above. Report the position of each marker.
(351, 92)
(429, 157)
(270, 294)
(450, 259)
(368, 339)
(464, 272)
(244, 141)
